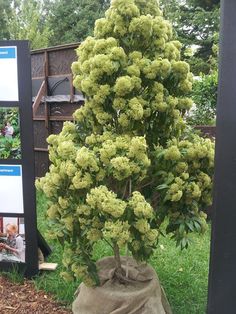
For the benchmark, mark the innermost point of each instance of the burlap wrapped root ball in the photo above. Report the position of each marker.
(140, 294)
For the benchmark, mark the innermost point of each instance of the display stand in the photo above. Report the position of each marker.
(17, 190)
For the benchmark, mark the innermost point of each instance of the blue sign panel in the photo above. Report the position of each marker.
(7, 52)
(11, 184)
(8, 74)
(6, 170)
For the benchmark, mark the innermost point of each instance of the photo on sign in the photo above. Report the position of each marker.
(11, 189)
(10, 142)
(8, 74)
(12, 239)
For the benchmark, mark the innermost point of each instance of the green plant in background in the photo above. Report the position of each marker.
(204, 95)
(12, 115)
(10, 148)
(197, 27)
(127, 163)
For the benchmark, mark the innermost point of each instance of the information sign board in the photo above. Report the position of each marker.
(11, 185)
(9, 74)
(18, 227)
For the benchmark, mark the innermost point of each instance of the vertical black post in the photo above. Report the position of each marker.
(27, 161)
(222, 276)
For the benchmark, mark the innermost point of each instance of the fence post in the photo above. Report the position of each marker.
(222, 275)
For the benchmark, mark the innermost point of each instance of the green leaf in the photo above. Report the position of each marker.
(197, 226)
(162, 187)
(181, 228)
(190, 225)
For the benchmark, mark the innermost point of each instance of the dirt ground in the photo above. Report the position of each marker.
(24, 299)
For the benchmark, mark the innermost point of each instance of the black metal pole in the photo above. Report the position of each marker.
(222, 275)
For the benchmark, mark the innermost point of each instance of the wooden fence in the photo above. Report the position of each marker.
(54, 98)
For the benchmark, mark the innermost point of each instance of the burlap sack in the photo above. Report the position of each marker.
(141, 295)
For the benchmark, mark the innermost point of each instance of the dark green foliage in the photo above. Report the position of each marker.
(206, 4)
(205, 97)
(73, 20)
(25, 20)
(197, 26)
(29, 21)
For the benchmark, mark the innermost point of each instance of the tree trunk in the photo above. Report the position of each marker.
(119, 271)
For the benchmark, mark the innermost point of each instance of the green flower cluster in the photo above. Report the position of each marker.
(105, 201)
(125, 163)
(123, 156)
(141, 208)
(127, 69)
(80, 204)
(185, 170)
(117, 231)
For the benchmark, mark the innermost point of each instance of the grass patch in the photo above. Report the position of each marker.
(51, 281)
(14, 275)
(184, 275)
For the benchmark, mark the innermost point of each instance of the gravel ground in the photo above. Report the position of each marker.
(25, 299)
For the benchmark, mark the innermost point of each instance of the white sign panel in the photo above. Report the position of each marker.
(8, 74)
(11, 192)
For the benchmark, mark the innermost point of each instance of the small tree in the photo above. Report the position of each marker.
(127, 162)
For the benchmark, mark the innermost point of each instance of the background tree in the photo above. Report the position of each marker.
(197, 25)
(204, 96)
(6, 11)
(28, 21)
(73, 20)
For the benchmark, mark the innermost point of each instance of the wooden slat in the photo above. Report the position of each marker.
(54, 118)
(72, 89)
(51, 76)
(39, 149)
(46, 107)
(56, 48)
(38, 98)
